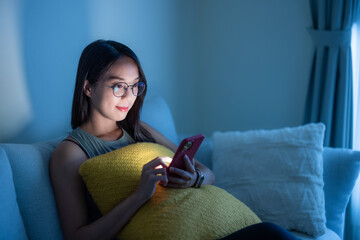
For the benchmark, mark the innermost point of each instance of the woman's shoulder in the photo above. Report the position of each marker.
(68, 155)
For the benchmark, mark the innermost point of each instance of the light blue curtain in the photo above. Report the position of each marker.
(329, 98)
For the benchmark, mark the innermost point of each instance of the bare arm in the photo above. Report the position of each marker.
(161, 139)
(71, 202)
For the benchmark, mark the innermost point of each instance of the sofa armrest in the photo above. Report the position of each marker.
(341, 169)
(11, 222)
(35, 198)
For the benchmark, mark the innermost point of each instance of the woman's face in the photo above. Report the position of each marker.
(104, 102)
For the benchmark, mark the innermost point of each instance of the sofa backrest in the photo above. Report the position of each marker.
(157, 114)
(34, 196)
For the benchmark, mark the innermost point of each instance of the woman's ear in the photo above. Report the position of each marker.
(87, 88)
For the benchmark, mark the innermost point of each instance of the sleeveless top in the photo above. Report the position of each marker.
(94, 146)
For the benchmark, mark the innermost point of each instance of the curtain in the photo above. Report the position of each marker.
(330, 98)
(353, 216)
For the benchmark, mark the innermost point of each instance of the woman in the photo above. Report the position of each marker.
(109, 92)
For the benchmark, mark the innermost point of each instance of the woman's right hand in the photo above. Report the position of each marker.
(152, 172)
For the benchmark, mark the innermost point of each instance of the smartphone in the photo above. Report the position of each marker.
(188, 146)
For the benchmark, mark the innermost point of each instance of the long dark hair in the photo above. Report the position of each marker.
(95, 60)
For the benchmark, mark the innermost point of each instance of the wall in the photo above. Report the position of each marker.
(15, 107)
(221, 65)
(52, 36)
(252, 66)
(147, 27)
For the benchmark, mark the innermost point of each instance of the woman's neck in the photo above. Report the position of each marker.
(107, 132)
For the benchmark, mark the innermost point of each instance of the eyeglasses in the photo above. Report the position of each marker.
(120, 89)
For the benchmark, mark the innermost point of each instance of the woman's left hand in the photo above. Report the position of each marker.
(182, 178)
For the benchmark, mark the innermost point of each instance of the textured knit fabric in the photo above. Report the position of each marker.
(205, 213)
(94, 146)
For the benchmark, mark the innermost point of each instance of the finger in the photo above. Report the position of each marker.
(165, 161)
(156, 162)
(181, 173)
(174, 185)
(159, 178)
(189, 165)
(159, 171)
(179, 181)
(149, 172)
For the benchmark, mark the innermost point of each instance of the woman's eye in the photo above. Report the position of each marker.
(119, 86)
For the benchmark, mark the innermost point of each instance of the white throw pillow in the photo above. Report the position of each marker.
(276, 173)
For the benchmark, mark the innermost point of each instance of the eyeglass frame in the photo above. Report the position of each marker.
(128, 86)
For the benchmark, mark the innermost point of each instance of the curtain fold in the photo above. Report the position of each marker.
(330, 98)
(330, 91)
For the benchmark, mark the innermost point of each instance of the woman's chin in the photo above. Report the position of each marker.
(121, 118)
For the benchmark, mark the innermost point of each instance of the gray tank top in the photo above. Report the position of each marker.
(94, 146)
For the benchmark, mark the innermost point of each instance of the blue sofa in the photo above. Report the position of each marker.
(28, 209)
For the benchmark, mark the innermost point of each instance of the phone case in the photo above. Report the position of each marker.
(188, 146)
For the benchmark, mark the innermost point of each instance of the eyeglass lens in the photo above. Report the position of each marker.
(121, 88)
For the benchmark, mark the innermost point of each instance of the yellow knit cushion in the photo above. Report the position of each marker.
(205, 213)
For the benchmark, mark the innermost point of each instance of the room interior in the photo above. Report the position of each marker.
(219, 65)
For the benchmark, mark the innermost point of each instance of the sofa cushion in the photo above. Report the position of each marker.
(277, 173)
(11, 223)
(156, 113)
(204, 154)
(329, 235)
(341, 169)
(30, 166)
(204, 213)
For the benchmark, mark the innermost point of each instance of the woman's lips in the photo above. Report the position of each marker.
(123, 109)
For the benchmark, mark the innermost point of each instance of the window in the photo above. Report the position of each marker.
(355, 48)
(355, 198)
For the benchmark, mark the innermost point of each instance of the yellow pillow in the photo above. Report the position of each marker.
(205, 213)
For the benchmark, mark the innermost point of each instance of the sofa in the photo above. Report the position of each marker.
(28, 209)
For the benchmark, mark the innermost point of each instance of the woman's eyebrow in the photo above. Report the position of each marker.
(110, 78)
